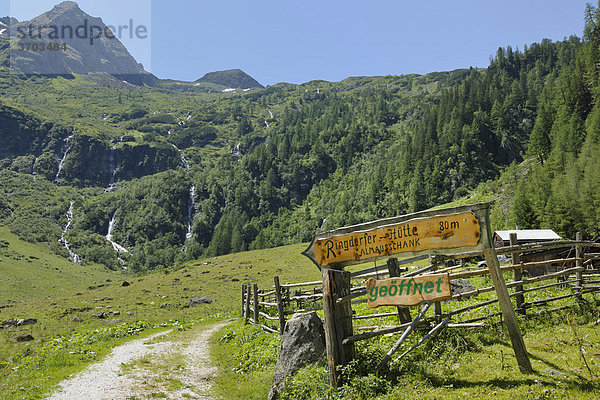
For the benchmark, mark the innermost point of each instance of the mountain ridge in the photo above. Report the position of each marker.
(231, 78)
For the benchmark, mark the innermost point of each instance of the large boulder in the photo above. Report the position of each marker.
(197, 300)
(302, 343)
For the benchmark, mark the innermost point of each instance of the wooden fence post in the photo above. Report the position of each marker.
(243, 296)
(280, 308)
(394, 269)
(508, 312)
(437, 306)
(338, 321)
(247, 313)
(578, 264)
(255, 290)
(517, 275)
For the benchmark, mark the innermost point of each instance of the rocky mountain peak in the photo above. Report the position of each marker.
(81, 43)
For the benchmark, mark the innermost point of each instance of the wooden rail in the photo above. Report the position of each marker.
(578, 275)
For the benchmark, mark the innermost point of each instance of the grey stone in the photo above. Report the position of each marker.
(196, 300)
(25, 337)
(164, 305)
(99, 315)
(550, 371)
(77, 319)
(302, 343)
(8, 323)
(26, 321)
(461, 286)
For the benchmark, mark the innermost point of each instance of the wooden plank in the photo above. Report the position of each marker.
(548, 300)
(352, 296)
(255, 292)
(267, 304)
(578, 263)
(510, 319)
(295, 285)
(419, 271)
(247, 312)
(552, 310)
(480, 272)
(517, 275)
(432, 332)
(412, 236)
(522, 282)
(377, 332)
(408, 291)
(446, 231)
(338, 321)
(267, 316)
(280, 307)
(243, 296)
(268, 329)
(405, 334)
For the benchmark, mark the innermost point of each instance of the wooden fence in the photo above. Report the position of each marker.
(573, 274)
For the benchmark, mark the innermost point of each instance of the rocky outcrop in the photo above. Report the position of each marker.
(302, 343)
(31, 146)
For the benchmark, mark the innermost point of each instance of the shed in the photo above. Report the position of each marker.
(502, 238)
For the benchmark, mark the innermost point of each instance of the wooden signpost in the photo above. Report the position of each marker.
(408, 291)
(409, 234)
(446, 231)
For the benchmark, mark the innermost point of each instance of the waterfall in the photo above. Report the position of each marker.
(191, 209)
(192, 198)
(63, 239)
(237, 151)
(184, 162)
(64, 157)
(113, 168)
(270, 113)
(111, 226)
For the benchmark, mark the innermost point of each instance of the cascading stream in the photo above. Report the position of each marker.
(109, 236)
(63, 239)
(113, 168)
(64, 158)
(192, 198)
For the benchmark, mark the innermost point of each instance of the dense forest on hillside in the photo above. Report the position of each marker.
(173, 175)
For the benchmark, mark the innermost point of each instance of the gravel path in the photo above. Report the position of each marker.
(106, 380)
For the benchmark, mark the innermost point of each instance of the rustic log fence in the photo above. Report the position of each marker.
(577, 275)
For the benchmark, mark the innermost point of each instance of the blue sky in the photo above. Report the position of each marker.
(298, 41)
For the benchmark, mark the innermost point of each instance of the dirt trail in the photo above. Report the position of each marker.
(107, 379)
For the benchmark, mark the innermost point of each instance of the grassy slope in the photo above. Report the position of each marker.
(30, 271)
(52, 296)
(487, 371)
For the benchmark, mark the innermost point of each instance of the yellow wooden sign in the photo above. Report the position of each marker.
(412, 236)
(407, 292)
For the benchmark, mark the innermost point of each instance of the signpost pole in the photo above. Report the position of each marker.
(338, 321)
(394, 269)
(510, 319)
